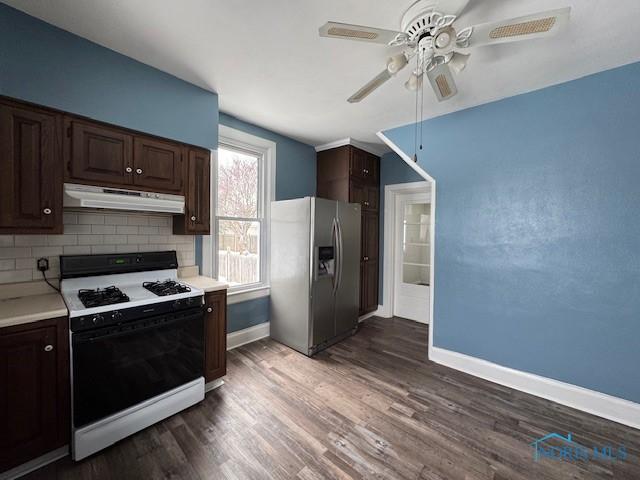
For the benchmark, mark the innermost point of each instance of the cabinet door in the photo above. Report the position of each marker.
(197, 210)
(357, 194)
(369, 236)
(358, 162)
(367, 197)
(371, 202)
(369, 287)
(371, 170)
(364, 166)
(157, 165)
(215, 356)
(33, 406)
(30, 170)
(99, 155)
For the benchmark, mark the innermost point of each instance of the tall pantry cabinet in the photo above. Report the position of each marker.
(350, 174)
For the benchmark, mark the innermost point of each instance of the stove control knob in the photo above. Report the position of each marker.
(176, 304)
(116, 316)
(97, 319)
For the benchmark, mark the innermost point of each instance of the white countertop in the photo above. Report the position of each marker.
(31, 308)
(207, 284)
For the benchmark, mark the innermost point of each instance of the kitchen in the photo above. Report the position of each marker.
(215, 263)
(118, 219)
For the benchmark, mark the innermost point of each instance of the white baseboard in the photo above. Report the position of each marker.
(384, 312)
(580, 398)
(35, 464)
(247, 335)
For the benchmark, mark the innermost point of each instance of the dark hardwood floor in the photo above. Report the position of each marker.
(370, 407)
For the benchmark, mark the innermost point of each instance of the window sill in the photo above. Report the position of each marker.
(248, 294)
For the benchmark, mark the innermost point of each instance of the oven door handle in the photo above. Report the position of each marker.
(128, 329)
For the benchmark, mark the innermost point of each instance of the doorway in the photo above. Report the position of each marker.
(412, 257)
(408, 251)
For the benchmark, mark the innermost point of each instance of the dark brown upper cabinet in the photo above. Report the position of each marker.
(40, 148)
(99, 154)
(363, 166)
(196, 218)
(157, 164)
(30, 169)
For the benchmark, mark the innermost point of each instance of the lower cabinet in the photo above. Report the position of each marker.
(368, 286)
(215, 331)
(34, 393)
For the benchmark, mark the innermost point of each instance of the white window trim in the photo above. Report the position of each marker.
(243, 140)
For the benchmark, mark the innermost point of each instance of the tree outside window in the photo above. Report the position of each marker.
(238, 216)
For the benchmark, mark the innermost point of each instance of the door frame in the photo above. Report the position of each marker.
(432, 183)
(399, 196)
(391, 195)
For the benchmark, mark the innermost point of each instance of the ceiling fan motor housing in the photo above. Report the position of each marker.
(417, 21)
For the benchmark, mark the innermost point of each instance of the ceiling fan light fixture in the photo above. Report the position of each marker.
(459, 61)
(396, 63)
(413, 83)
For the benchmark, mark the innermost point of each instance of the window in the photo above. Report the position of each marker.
(243, 186)
(239, 216)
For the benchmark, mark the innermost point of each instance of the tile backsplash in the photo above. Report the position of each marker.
(87, 232)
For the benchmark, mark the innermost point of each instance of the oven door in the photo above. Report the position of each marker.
(120, 366)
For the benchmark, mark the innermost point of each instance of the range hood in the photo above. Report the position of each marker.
(120, 199)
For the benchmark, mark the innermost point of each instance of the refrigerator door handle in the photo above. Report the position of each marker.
(339, 267)
(334, 238)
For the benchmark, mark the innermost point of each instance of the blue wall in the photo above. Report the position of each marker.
(392, 170)
(49, 66)
(538, 232)
(295, 178)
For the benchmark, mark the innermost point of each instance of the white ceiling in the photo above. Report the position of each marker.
(270, 67)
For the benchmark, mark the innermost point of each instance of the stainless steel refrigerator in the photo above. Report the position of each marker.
(315, 272)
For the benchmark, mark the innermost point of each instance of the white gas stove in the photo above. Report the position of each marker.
(137, 344)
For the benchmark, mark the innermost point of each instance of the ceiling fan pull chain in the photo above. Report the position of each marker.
(421, 112)
(415, 130)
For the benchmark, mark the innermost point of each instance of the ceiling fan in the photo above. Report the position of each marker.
(427, 32)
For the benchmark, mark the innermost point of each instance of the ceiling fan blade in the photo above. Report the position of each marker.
(442, 82)
(370, 87)
(346, 31)
(451, 7)
(542, 24)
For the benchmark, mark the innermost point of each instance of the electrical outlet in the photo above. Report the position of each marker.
(43, 264)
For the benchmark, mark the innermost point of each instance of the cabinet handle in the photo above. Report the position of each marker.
(139, 171)
(48, 348)
(209, 309)
(366, 259)
(193, 218)
(365, 170)
(366, 204)
(47, 211)
(128, 169)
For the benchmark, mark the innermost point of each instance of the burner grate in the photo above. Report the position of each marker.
(167, 287)
(101, 296)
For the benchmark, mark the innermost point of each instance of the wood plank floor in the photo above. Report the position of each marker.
(370, 407)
